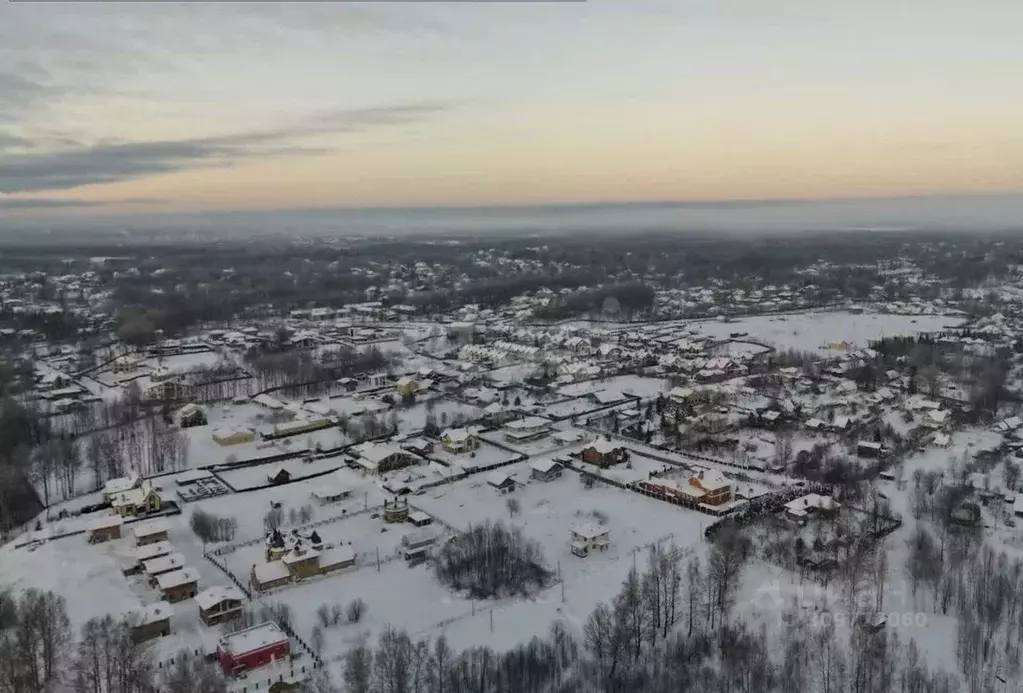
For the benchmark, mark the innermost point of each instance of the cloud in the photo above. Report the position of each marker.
(113, 162)
(46, 203)
(8, 141)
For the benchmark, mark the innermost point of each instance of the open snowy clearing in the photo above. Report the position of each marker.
(815, 330)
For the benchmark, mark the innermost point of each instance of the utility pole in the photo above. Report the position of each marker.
(378, 559)
(491, 620)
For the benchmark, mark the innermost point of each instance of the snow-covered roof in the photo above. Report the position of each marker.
(604, 446)
(299, 555)
(545, 465)
(271, 571)
(528, 423)
(177, 578)
(498, 478)
(713, 480)
(154, 550)
(336, 556)
(252, 639)
(378, 452)
(456, 435)
(588, 530)
(812, 500)
(328, 491)
(211, 596)
(152, 613)
(163, 564)
(120, 485)
(148, 529)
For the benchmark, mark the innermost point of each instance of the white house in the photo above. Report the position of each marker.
(588, 537)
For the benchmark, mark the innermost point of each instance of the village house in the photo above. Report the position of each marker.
(546, 470)
(278, 476)
(418, 518)
(105, 528)
(149, 532)
(116, 487)
(190, 415)
(152, 621)
(589, 537)
(417, 544)
(717, 489)
(378, 458)
(812, 504)
(252, 648)
(232, 436)
(870, 449)
(603, 453)
(501, 482)
(148, 552)
(302, 562)
(137, 501)
(406, 386)
(527, 429)
(330, 493)
(156, 567)
(179, 585)
(269, 575)
(459, 440)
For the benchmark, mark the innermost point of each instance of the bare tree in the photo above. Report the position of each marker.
(359, 669)
(356, 610)
(188, 674)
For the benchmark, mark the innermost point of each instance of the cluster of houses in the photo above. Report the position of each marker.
(293, 558)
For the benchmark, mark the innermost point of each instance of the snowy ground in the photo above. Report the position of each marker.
(412, 598)
(815, 330)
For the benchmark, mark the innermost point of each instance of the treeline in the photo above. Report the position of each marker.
(293, 368)
(38, 654)
(613, 300)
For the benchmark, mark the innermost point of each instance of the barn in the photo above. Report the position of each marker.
(252, 648)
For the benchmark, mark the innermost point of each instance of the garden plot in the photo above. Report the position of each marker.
(815, 330)
(257, 475)
(446, 412)
(483, 457)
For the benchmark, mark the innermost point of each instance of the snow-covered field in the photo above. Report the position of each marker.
(412, 597)
(815, 330)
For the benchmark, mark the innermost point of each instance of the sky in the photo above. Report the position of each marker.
(152, 108)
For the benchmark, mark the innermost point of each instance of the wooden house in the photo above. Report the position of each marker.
(278, 476)
(149, 532)
(545, 470)
(267, 576)
(603, 453)
(105, 529)
(138, 501)
(179, 585)
(219, 604)
(302, 562)
(459, 440)
(150, 622)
